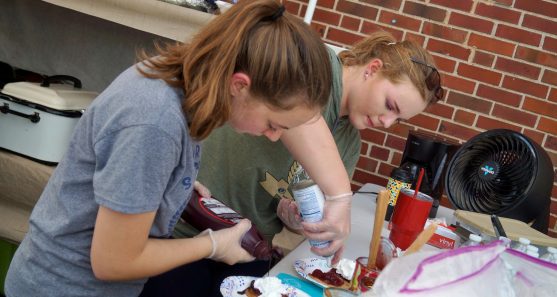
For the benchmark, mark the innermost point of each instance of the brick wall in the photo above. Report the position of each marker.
(498, 60)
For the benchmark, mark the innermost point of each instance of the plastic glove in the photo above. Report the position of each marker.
(226, 243)
(288, 213)
(334, 227)
(201, 189)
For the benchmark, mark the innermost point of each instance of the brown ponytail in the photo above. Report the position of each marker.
(283, 57)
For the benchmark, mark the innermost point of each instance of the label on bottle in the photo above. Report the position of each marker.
(220, 210)
(310, 202)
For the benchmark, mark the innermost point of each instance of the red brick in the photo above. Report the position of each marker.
(550, 77)
(540, 107)
(401, 129)
(465, 117)
(399, 20)
(369, 27)
(464, 5)
(538, 6)
(390, 4)
(470, 22)
(424, 121)
(469, 102)
(373, 136)
(444, 32)
(514, 115)
(479, 74)
(326, 16)
(364, 148)
(367, 163)
(552, 95)
(356, 9)
(552, 233)
(499, 95)
(518, 35)
(458, 131)
(419, 39)
(350, 23)
(491, 45)
(397, 158)
(536, 56)
(551, 142)
(498, 13)
(548, 125)
(550, 44)
(379, 153)
(483, 58)
(364, 177)
(385, 169)
(534, 135)
(292, 7)
(525, 87)
(540, 24)
(326, 3)
(459, 84)
(448, 49)
(395, 142)
(444, 64)
(488, 123)
(343, 37)
(518, 68)
(425, 11)
(441, 109)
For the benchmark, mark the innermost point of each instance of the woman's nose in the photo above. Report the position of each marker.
(273, 135)
(388, 119)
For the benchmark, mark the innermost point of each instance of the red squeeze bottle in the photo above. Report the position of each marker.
(203, 213)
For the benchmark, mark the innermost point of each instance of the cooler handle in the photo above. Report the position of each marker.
(34, 118)
(50, 79)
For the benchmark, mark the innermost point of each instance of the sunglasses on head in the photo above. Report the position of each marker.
(432, 80)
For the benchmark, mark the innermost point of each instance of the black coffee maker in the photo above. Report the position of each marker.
(433, 153)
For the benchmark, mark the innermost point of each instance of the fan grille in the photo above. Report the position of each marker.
(492, 172)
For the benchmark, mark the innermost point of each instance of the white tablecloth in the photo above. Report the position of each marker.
(357, 244)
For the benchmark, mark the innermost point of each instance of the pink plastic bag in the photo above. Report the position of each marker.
(488, 270)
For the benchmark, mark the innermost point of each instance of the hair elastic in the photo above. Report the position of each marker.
(275, 15)
(391, 43)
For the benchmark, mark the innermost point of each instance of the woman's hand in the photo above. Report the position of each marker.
(334, 227)
(226, 243)
(201, 189)
(288, 213)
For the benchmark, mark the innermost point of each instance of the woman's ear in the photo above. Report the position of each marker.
(239, 84)
(373, 66)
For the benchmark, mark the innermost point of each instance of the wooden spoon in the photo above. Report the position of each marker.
(380, 210)
(422, 238)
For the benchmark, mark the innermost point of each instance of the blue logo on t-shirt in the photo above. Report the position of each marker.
(187, 183)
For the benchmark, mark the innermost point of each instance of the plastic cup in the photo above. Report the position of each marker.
(409, 217)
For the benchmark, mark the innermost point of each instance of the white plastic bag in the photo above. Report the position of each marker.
(488, 270)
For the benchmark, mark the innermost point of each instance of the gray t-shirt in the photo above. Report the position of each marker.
(130, 152)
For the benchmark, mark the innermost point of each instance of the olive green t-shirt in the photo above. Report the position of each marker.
(250, 174)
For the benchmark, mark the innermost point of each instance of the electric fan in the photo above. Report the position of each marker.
(502, 172)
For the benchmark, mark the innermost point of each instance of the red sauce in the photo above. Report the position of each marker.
(331, 277)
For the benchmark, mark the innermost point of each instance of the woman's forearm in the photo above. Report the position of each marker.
(121, 249)
(314, 147)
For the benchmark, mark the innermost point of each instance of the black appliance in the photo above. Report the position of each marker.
(433, 153)
(505, 173)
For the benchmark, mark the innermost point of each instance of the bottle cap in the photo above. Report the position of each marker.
(475, 237)
(401, 175)
(532, 248)
(552, 250)
(523, 240)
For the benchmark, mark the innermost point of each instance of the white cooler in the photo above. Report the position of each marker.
(37, 120)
